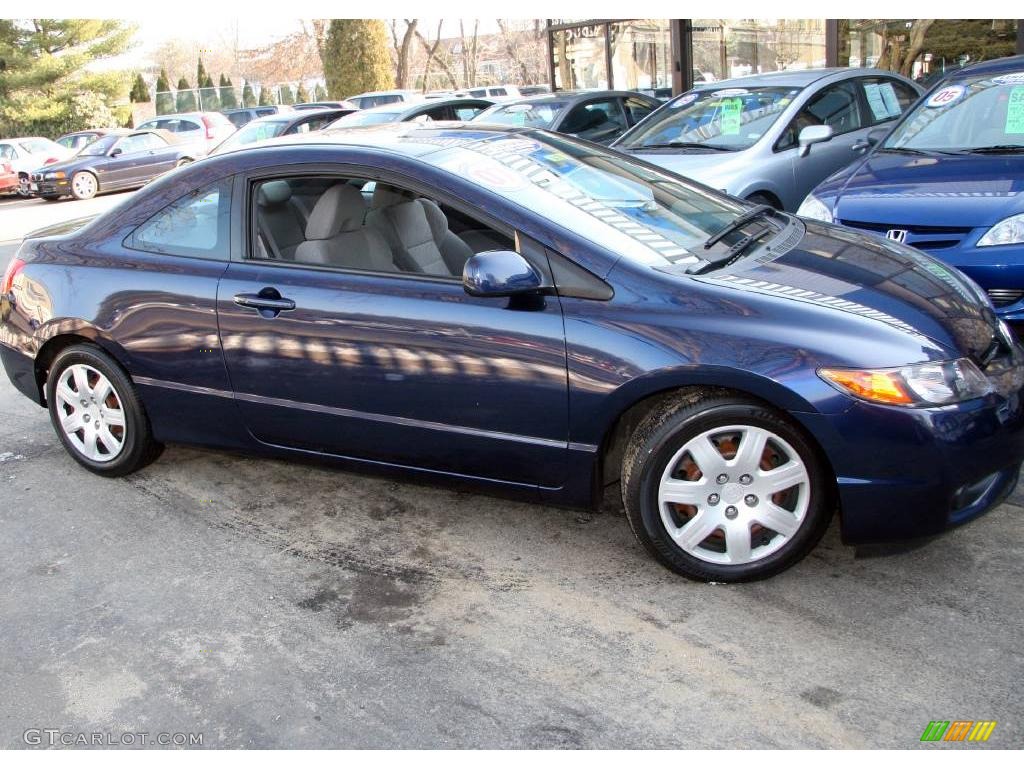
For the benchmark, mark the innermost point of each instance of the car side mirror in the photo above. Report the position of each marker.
(116, 151)
(500, 273)
(813, 134)
(873, 138)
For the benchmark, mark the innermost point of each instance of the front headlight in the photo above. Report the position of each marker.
(939, 383)
(813, 208)
(1006, 232)
(54, 175)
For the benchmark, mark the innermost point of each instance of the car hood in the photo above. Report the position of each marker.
(908, 291)
(942, 190)
(73, 164)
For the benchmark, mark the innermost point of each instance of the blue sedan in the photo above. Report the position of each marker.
(948, 180)
(533, 315)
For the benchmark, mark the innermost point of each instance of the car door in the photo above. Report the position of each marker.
(391, 366)
(159, 157)
(120, 167)
(838, 106)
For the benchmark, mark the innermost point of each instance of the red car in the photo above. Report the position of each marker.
(8, 178)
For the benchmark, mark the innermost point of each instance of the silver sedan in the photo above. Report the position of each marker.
(772, 138)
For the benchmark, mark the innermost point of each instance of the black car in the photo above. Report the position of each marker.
(242, 116)
(458, 108)
(272, 126)
(325, 105)
(120, 160)
(600, 116)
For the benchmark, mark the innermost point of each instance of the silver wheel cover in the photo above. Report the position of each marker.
(734, 495)
(90, 413)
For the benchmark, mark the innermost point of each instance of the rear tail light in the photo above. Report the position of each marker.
(209, 127)
(12, 271)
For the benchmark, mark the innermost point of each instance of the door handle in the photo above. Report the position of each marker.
(267, 299)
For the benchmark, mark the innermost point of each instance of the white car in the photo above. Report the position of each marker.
(205, 129)
(493, 92)
(372, 99)
(27, 154)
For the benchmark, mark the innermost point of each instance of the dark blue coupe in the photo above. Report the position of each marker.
(535, 315)
(949, 180)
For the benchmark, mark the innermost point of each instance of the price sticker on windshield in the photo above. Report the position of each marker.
(946, 96)
(731, 112)
(1015, 111)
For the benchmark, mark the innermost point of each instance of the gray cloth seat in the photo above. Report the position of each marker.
(281, 221)
(336, 236)
(417, 231)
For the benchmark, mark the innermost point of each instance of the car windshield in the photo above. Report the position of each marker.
(39, 146)
(368, 117)
(968, 114)
(719, 119)
(101, 146)
(539, 114)
(629, 208)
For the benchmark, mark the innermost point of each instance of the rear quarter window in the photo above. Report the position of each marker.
(196, 225)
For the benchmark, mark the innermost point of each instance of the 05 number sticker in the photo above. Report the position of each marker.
(946, 96)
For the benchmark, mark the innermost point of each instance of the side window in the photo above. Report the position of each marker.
(498, 92)
(238, 119)
(886, 98)
(131, 144)
(7, 152)
(835, 106)
(358, 224)
(594, 119)
(467, 112)
(196, 225)
(637, 110)
(437, 113)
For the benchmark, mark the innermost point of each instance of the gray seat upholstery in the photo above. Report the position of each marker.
(281, 221)
(336, 236)
(417, 232)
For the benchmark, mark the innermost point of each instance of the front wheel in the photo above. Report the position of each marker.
(84, 185)
(24, 185)
(97, 413)
(721, 488)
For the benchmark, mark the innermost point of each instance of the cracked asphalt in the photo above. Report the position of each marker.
(268, 604)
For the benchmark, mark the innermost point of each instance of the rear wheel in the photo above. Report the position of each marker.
(97, 413)
(83, 185)
(720, 488)
(24, 185)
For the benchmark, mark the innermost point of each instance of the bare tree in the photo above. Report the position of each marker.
(402, 50)
(432, 55)
(469, 54)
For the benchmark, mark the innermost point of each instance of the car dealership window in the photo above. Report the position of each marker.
(195, 225)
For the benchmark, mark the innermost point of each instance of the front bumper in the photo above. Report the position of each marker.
(909, 472)
(41, 186)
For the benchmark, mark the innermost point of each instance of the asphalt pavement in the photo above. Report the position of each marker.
(267, 604)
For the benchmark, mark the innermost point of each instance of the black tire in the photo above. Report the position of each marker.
(51, 198)
(88, 195)
(139, 448)
(183, 162)
(665, 431)
(23, 186)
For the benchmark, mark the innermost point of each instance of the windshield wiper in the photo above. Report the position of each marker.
(682, 145)
(757, 212)
(734, 252)
(995, 149)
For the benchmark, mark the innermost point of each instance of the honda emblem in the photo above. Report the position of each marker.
(899, 235)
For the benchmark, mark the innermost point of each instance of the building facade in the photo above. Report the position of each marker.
(671, 55)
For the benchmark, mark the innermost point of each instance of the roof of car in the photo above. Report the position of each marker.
(575, 95)
(302, 114)
(995, 66)
(406, 138)
(795, 77)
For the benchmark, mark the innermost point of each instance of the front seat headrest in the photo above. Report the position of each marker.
(274, 193)
(384, 196)
(339, 209)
